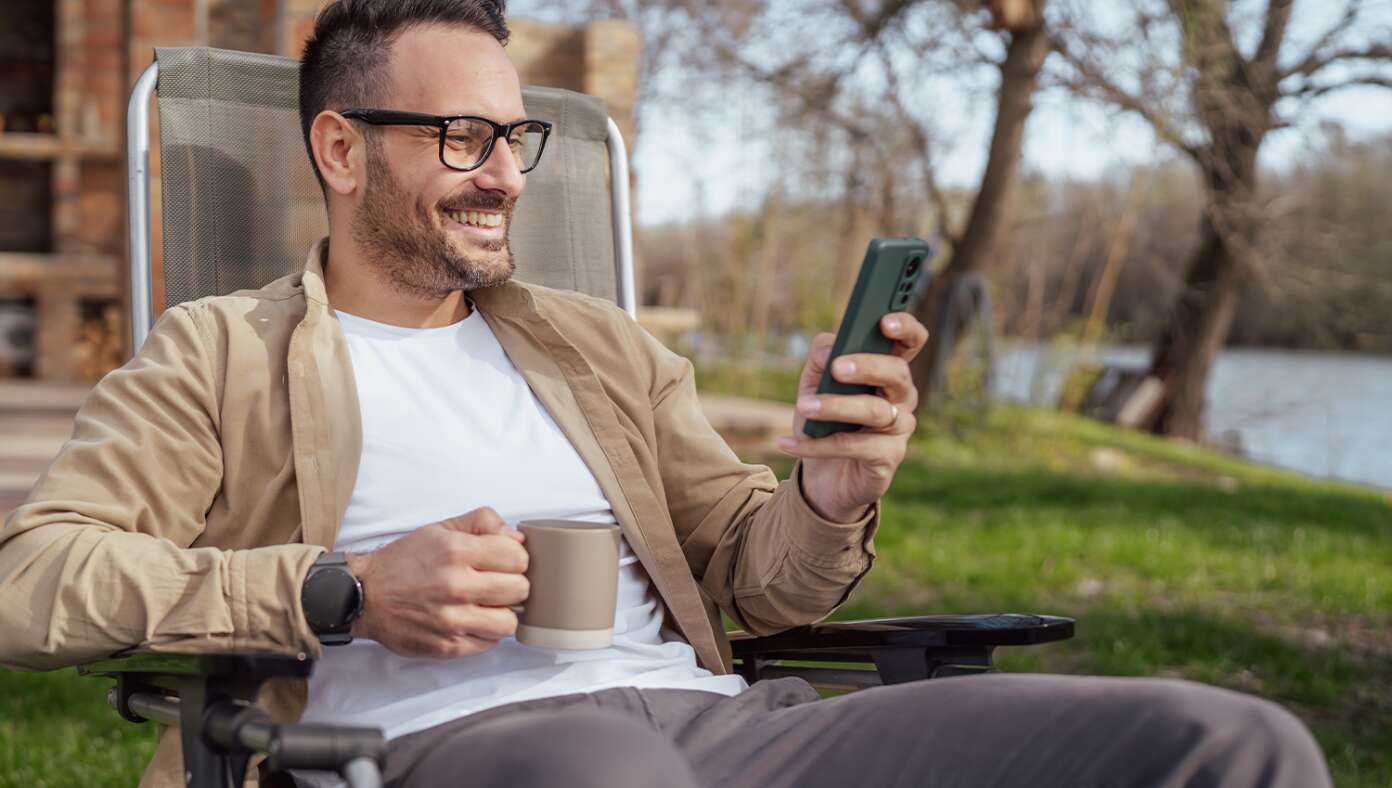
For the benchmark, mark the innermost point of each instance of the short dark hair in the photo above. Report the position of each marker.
(345, 60)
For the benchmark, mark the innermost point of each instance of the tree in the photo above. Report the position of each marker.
(1181, 66)
(849, 76)
(1022, 25)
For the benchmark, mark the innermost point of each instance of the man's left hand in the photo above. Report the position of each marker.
(844, 473)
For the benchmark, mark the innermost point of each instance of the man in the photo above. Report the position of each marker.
(403, 403)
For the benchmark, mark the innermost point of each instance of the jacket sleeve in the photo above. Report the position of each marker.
(755, 545)
(99, 558)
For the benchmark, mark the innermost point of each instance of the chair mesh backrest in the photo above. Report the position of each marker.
(241, 205)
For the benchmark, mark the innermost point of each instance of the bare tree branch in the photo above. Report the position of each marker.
(1278, 13)
(1313, 91)
(1312, 65)
(872, 24)
(922, 143)
(1092, 81)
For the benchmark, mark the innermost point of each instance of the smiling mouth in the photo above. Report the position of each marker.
(483, 219)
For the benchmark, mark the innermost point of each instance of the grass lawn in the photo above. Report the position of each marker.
(1176, 562)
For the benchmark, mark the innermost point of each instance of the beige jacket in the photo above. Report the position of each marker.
(207, 474)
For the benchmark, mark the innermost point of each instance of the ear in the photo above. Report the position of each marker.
(339, 150)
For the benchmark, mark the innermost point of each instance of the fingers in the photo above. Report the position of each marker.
(481, 521)
(446, 630)
(867, 410)
(880, 451)
(479, 621)
(817, 356)
(908, 333)
(468, 586)
(886, 372)
(488, 553)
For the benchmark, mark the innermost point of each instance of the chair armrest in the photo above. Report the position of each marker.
(901, 649)
(229, 664)
(992, 629)
(209, 698)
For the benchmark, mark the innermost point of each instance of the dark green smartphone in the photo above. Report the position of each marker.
(892, 276)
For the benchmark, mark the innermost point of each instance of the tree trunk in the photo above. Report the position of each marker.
(1194, 332)
(974, 251)
(1198, 322)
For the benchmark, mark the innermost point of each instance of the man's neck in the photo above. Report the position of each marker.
(355, 286)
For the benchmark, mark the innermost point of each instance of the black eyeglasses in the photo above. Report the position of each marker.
(466, 141)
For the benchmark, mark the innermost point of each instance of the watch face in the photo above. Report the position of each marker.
(331, 599)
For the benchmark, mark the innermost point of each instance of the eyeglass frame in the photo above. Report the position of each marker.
(391, 117)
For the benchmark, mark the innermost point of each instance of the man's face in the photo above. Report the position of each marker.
(431, 229)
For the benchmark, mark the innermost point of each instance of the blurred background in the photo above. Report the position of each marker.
(1156, 394)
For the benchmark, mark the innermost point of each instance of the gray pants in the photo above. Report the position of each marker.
(994, 730)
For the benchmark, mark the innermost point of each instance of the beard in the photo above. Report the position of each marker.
(402, 237)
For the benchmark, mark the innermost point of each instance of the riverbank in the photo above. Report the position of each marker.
(1321, 414)
(1176, 561)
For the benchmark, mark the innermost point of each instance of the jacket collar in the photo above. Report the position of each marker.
(312, 280)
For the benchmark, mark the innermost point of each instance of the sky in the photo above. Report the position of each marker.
(687, 170)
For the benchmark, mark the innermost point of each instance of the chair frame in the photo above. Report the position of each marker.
(209, 697)
(141, 219)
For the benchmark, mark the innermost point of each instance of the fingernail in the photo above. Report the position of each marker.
(823, 353)
(846, 366)
(892, 324)
(786, 443)
(809, 404)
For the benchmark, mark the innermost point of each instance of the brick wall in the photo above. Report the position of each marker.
(600, 58)
(62, 168)
(245, 25)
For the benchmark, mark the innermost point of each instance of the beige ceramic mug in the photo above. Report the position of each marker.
(573, 569)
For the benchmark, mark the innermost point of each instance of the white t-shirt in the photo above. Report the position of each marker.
(449, 425)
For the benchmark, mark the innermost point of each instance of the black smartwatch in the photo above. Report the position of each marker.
(332, 598)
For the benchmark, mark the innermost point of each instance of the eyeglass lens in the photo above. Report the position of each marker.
(466, 143)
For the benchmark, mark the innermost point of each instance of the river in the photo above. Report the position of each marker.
(1323, 414)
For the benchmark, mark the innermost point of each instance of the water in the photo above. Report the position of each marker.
(1323, 414)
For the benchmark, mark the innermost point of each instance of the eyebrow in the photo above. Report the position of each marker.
(517, 119)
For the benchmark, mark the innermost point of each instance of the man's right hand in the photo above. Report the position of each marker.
(443, 589)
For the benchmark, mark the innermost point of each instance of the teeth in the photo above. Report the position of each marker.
(476, 218)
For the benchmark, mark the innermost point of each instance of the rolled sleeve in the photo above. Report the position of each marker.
(822, 542)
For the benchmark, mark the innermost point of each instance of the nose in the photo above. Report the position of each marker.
(499, 173)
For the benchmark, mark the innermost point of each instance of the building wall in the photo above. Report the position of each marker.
(62, 186)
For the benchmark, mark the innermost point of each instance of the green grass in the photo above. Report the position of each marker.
(56, 731)
(1176, 561)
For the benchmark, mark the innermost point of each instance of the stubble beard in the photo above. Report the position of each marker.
(401, 237)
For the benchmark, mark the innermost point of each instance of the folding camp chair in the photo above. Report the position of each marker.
(240, 207)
